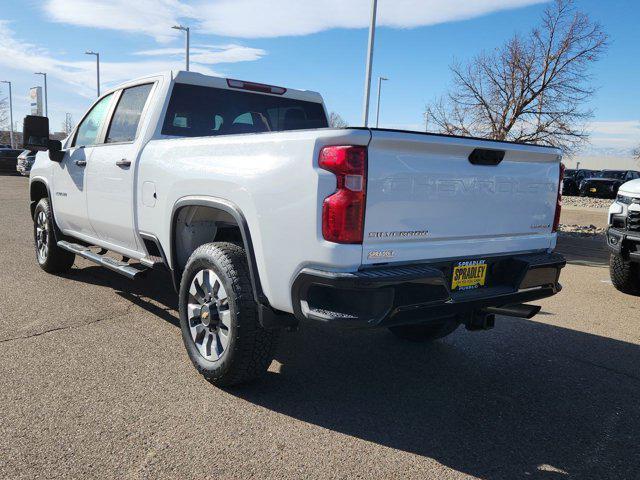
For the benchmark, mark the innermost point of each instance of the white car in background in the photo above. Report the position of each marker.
(25, 162)
(623, 238)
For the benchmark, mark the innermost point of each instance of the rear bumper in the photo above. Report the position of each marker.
(625, 243)
(395, 295)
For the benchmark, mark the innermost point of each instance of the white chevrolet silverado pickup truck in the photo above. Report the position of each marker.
(266, 218)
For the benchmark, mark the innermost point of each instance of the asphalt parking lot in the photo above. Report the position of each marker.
(95, 382)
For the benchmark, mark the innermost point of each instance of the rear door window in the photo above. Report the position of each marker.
(124, 124)
(196, 111)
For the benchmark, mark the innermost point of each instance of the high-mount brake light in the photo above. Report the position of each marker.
(256, 87)
(343, 210)
(556, 220)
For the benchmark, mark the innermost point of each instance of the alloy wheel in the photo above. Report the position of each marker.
(42, 237)
(209, 315)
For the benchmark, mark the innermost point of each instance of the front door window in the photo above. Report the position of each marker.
(91, 125)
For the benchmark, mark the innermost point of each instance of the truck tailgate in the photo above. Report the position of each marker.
(427, 201)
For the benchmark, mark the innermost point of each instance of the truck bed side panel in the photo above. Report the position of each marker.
(273, 179)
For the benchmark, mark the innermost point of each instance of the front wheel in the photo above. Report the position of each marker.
(219, 317)
(50, 257)
(425, 332)
(625, 275)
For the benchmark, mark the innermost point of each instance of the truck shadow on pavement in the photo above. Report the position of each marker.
(588, 250)
(525, 400)
(155, 294)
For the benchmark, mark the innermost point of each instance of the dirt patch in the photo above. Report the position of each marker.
(586, 202)
(581, 230)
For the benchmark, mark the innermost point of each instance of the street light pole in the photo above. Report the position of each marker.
(46, 95)
(367, 81)
(13, 145)
(186, 30)
(380, 80)
(97, 54)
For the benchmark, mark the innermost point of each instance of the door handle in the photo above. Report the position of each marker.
(123, 163)
(81, 163)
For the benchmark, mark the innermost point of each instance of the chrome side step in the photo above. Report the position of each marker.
(130, 271)
(151, 262)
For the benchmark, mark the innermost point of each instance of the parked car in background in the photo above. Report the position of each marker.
(605, 184)
(572, 179)
(25, 162)
(623, 238)
(8, 160)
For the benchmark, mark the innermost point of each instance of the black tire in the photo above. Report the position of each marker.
(52, 259)
(625, 275)
(250, 347)
(425, 332)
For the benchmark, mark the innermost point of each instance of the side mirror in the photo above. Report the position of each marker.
(55, 151)
(35, 132)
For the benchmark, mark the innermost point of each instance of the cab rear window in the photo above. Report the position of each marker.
(196, 111)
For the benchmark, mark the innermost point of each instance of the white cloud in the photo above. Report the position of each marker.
(301, 17)
(260, 18)
(211, 54)
(621, 134)
(613, 137)
(150, 17)
(79, 75)
(621, 129)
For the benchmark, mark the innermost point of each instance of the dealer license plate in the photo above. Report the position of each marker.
(469, 275)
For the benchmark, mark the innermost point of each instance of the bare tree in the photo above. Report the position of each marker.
(531, 89)
(336, 121)
(4, 113)
(68, 124)
(5, 135)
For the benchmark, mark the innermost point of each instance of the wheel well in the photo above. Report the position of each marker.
(37, 191)
(195, 225)
(198, 220)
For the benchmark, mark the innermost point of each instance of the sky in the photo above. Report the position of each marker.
(306, 44)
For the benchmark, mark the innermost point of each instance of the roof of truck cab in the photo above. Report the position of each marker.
(195, 78)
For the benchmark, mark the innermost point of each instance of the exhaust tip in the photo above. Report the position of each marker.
(519, 311)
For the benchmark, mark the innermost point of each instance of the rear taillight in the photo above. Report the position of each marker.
(343, 211)
(556, 220)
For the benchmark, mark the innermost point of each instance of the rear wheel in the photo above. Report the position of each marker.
(219, 317)
(425, 332)
(51, 258)
(625, 275)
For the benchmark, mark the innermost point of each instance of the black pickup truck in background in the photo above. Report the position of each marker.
(605, 184)
(572, 179)
(9, 160)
